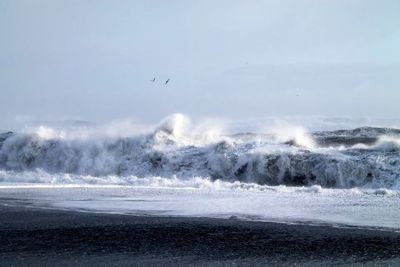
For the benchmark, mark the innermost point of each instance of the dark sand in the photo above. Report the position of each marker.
(37, 237)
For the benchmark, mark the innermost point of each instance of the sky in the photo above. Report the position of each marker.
(94, 60)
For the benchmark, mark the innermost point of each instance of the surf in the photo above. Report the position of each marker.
(176, 148)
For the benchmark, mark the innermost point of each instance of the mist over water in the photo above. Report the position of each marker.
(178, 150)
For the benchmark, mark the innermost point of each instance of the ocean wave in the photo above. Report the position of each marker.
(362, 157)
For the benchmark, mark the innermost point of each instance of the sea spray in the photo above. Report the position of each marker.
(177, 148)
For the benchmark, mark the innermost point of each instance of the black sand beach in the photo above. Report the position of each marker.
(38, 237)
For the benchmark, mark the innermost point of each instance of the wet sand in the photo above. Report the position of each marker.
(39, 237)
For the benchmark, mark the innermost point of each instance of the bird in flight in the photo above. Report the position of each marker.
(167, 81)
(154, 79)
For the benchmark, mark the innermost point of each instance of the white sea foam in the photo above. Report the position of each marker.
(199, 197)
(180, 149)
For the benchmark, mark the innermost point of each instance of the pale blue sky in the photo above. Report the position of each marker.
(93, 60)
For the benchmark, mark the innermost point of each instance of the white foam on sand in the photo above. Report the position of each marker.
(200, 197)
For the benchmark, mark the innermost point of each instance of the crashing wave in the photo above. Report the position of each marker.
(339, 159)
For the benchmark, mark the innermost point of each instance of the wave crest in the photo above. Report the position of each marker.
(177, 148)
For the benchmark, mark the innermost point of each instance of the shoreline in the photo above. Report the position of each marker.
(34, 236)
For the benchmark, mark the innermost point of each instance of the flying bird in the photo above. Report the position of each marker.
(154, 79)
(167, 81)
